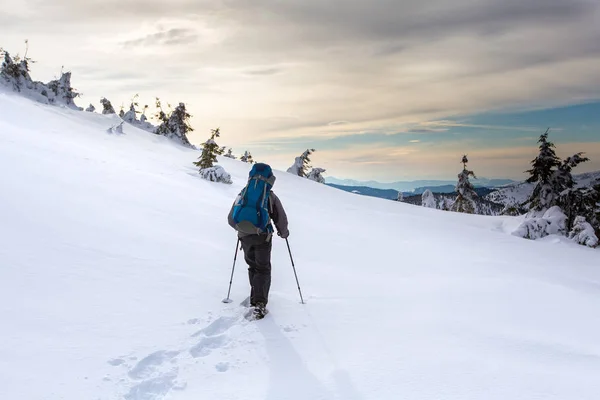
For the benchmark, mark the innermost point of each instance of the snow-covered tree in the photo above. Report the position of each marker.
(63, 91)
(229, 154)
(210, 151)
(107, 108)
(15, 72)
(583, 233)
(247, 157)
(301, 165)
(90, 108)
(315, 175)
(177, 126)
(428, 199)
(542, 170)
(131, 115)
(400, 196)
(552, 222)
(216, 174)
(465, 200)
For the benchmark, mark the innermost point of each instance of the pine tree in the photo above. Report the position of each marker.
(428, 199)
(315, 175)
(62, 89)
(465, 200)
(107, 108)
(400, 196)
(583, 233)
(15, 71)
(247, 157)
(230, 154)
(210, 151)
(544, 195)
(177, 126)
(302, 164)
(90, 108)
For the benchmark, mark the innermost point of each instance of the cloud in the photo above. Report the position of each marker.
(342, 68)
(174, 36)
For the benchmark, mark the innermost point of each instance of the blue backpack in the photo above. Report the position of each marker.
(251, 208)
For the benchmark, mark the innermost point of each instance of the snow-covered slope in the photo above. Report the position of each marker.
(517, 193)
(115, 256)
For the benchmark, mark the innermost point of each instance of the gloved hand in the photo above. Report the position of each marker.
(283, 235)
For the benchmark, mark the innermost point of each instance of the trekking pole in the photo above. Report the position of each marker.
(294, 267)
(228, 300)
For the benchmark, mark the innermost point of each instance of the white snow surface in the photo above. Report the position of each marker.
(115, 256)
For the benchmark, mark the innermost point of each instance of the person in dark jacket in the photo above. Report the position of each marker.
(257, 252)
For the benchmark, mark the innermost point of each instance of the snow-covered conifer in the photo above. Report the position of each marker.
(315, 175)
(177, 126)
(552, 222)
(210, 151)
(541, 173)
(107, 108)
(583, 233)
(428, 199)
(15, 72)
(400, 196)
(247, 157)
(465, 200)
(90, 108)
(229, 154)
(131, 115)
(216, 174)
(301, 164)
(63, 91)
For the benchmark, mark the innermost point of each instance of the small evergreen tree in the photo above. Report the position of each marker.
(177, 126)
(230, 154)
(400, 196)
(543, 166)
(428, 199)
(107, 108)
(15, 71)
(210, 151)
(315, 175)
(130, 116)
(90, 108)
(63, 91)
(465, 200)
(583, 233)
(247, 157)
(302, 164)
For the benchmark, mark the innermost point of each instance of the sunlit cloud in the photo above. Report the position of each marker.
(314, 71)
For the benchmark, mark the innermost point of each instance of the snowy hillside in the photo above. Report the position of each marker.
(115, 256)
(517, 193)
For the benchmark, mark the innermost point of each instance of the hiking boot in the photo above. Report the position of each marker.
(260, 310)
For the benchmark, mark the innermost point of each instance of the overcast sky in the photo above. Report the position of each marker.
(383, 89)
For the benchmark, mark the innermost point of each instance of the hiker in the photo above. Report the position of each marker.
(251, 214)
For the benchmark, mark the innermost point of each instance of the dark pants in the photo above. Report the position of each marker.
(257, 252)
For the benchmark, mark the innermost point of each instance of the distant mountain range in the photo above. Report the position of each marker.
(498, 191)
(411, 186)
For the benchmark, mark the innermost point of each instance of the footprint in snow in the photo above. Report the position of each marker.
(157, 376)
(207, 345)
(154, 388)
(149, 364)
(217, 327)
